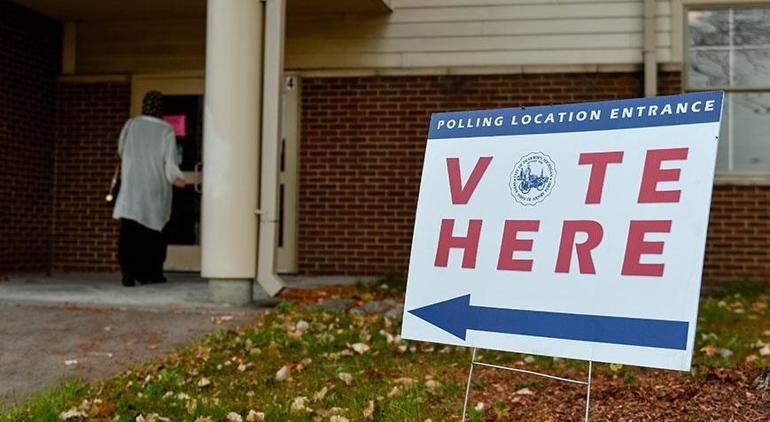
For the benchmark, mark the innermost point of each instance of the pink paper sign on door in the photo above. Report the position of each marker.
(177, 121)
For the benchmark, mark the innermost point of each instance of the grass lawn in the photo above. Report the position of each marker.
(301, 362)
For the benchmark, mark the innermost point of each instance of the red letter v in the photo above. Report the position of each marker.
(462, 194)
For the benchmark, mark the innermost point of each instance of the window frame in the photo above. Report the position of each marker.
(729, 175)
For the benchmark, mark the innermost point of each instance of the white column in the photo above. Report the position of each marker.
(271, 133)
(231, 148)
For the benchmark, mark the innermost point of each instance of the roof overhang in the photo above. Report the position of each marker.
(86, 10)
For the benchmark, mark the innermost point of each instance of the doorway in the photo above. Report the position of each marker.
(184, 110)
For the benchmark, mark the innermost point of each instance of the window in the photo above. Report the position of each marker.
(729, 49)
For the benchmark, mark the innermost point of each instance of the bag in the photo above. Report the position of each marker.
(112, 195)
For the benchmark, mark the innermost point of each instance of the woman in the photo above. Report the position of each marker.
(149, 168)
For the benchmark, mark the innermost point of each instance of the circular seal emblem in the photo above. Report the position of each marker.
(532, 179)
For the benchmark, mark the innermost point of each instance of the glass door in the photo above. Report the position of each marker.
(184, 111)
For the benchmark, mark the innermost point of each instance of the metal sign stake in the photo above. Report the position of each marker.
(588, 389)
(524, 371)
(468, 386)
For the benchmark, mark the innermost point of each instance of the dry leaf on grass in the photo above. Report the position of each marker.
(282, 373)
(345, 377)
(234, 417)
(300, 405)
(302, 325)
(320, 394)
(369, 411)
(360, 348)
(73, 413)
(255, 416)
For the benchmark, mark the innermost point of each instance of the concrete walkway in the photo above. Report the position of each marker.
(90, 326)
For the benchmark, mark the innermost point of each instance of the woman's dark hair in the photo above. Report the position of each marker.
(152, 105)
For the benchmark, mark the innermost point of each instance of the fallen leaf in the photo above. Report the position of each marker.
(234, 417)
(764, 351)
(219, 320)
(300, 405)
(73, 413)
(360, 348)
(203, 382)
(524, 392)
(405, 380)
(725, 353)
(101, 409)
(431, 384)
(479, 407)
(394, 392)
(71, 362)
(345, 377)
(320, 394)
(369, 411)
(302, 325)
(255, 416)
(338, 418)
(710, 350)
(282, 373)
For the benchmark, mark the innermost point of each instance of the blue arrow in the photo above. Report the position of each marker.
(456, 316)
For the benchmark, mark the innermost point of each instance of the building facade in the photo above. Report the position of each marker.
(304, 123)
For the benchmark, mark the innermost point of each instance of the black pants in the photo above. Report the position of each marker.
(141, 252)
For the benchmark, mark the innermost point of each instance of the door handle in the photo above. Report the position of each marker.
(198, 178)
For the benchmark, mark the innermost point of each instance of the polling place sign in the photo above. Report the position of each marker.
(573, 230)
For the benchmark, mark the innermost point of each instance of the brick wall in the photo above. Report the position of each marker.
(29, 64)
(362, 144)
(738, 246)
(89, 119)
(361, 154)
(669, 83)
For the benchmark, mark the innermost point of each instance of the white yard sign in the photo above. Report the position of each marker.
(575, 231)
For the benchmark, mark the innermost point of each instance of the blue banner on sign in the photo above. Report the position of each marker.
(457, 315)
(701, 107)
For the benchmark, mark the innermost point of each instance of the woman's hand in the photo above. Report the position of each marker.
(180, 183)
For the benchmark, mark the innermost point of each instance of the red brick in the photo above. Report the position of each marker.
(29, 64)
